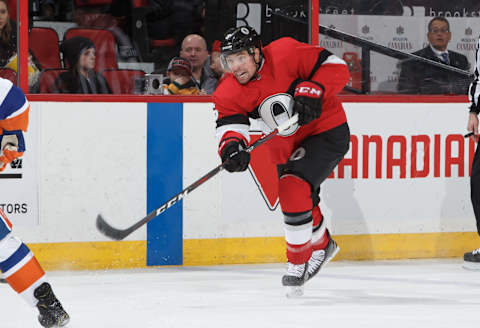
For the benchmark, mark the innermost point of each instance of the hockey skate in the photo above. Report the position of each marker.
(321, 257)
(471, 260)
(294, 279)
(51, 311)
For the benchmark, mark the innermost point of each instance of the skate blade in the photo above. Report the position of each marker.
(333, 255)
(64, 322)
(294, 291)
(471, 266)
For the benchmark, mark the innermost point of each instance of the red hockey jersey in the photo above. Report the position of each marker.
(286, 63)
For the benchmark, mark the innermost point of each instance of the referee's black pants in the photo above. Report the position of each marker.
(475, 187)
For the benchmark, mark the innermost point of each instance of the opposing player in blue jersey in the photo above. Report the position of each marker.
(17, 263)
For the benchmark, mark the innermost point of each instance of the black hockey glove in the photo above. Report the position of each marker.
(234, 156)
(308, 101)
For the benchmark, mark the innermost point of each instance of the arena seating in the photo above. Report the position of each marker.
(48, 78)
(140, 9)
(122, 81)
(43, 42)
(9, 74)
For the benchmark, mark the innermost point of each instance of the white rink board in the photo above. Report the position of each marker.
(352, 206)
(430, 204)
(92, 157)
(202, 208)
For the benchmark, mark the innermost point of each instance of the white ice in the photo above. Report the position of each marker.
(387, 294)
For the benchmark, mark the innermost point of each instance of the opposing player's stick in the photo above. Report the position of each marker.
(119, 234)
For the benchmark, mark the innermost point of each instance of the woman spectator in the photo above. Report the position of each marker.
(79, 53)
(8, 34)
(8, 48)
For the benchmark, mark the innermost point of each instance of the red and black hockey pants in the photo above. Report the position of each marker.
(299, 190)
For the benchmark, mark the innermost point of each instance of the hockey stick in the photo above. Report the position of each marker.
(119, 234)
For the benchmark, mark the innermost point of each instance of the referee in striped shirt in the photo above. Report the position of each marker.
(472, 259)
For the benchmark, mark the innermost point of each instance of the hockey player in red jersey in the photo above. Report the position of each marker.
(273, 83)
(17, 263)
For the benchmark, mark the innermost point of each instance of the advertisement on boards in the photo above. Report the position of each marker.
(19, 187)
(407, 171)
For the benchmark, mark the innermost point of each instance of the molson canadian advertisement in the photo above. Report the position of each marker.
(402, 28)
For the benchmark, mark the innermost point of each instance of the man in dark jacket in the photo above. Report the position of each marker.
(421, 78)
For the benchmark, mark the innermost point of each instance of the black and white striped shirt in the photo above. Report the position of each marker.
(474, 90)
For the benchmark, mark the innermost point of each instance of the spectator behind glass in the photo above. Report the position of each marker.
(194, 48)
(44, 9)
(8, 34)
(34, 71)
(215, 63)
(174, 19)
(112, 17)
(81, 77)
(179, 78)
(52, 10)
(416, 77)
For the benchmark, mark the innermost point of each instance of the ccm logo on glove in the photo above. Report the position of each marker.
(309, 91)
(308, 101)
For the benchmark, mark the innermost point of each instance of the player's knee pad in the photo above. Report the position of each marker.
(20, 267)
(295, 194)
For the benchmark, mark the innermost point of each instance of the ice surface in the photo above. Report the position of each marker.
(387, 294)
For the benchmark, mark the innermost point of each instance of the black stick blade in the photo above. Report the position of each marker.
(110, 231)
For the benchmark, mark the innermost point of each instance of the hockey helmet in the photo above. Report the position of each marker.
(240, 38)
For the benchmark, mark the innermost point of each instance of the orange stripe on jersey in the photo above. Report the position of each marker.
(4, 217)
(26, 276)
(19, 122)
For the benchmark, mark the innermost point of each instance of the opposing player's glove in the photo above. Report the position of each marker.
(235, 157)
(8, 150)
(8, 154)
(308, 101)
